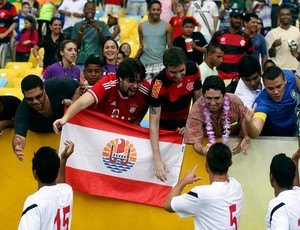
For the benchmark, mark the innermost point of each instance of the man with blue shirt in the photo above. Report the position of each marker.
(273, 113)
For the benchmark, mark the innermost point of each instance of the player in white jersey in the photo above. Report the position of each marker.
(215, 206)
(50, 208)
(284, 209)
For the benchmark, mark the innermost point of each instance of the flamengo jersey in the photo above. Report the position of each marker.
(174, 98)
(110, 101)
(234, 47)
(50, 208)
(8, 15)
(284, 211)
(216, 206)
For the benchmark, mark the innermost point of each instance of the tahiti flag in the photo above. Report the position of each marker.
(114, 159)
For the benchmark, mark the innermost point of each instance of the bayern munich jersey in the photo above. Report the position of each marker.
(284, 211)
(111, 102)
(50, 208)
(216, 206)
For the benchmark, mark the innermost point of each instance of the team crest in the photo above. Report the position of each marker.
(190, 86)
(222, 40)
(243, 42)
(293, 94)
(119, 155)
(132, 108)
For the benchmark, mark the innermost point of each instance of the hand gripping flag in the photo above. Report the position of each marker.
(114, 159)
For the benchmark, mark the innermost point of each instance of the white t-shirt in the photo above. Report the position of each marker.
(206, 71)
(287, 215)
(215, 206)
(75, 6)
(247, 95)
(49, 207)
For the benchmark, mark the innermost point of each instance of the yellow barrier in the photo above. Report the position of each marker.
(91, 212)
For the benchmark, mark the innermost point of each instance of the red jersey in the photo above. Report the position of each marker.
(8, 15)
(176, 23)
(110, 101)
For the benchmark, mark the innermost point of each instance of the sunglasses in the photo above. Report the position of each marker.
(31, 99)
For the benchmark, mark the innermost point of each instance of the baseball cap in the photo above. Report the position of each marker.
(235, 13)
(113, 16)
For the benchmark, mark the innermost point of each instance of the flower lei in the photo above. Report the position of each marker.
(225, 120)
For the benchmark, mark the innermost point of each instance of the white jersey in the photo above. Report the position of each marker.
(215, 206)
(50, 208)
(284, 211)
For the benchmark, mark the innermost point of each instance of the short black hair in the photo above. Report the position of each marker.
(283, 170)
(248, 65)
(212, 48)
(154, 2)
(188, 20)
(54, 19)
(130, 68)
(219, 158)
(248, 17)
(31, 82)
(25, 3)
(93, 59)
(46, 164)
(213, 82)
(269, 61)
(174, 56)
(272, 72)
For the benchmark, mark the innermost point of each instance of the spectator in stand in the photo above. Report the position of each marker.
(235, 43)
(137, 7)
(263, 10)
(8, 22)
(50, 43)
(35, 7)
(66, 56)
(126, 48)
(8, 108)
(47, 12)
(89, 35)
(24, 12)
(176, 20)
(110, 52)
(197, 44)
(260, 27)
(73, 12)
(113, 27)
(113, 6)
(121, 57)
(212, 60)
(29, 38)
(92, 70)
(224, 15)
(258, 41)
(293, 6)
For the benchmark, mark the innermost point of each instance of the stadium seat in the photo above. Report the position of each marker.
(99, 13)
(131, 21)
(22, 66)
(134, 49)
(18, 5)
(3, 82)
(35, 71)
(17, 82)
(126, 30)
(103, 19)
(17, 92)
(145, 18)
(9, 74)
(138, 17)
(32, 58)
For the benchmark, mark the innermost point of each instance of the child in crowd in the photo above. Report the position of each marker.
(121, 57)
(29, 38)
(224, 15)
(198, 43)
(126, 48)
(176, 20)
(24, 12)
(113, 27)
(92, 70)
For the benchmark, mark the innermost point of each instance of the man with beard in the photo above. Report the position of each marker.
(154, 35)
(42, 104)
(89, 35)
(282, 53)
(123, 95)
(234, 43)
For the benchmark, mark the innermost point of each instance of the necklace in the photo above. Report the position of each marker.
(65, 72)
(225, 121)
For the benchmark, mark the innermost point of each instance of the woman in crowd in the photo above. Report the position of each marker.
(126, 48)
(50, 43)
(66, 56)
(29, 38)
(114, 28)
(34, 7)
(110, 52)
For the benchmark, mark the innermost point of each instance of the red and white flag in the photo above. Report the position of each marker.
(114, 159)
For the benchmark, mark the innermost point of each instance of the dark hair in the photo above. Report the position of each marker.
(32, 28)
(46, 164)
(25, 3)
(283, 170)
(212, 48)
(125, 43)
(213, 82)
(130, 68)
(272, 72)
(54, 19)
(109, 39)
(89, 2)
(188, 20)
(94, 60)
(267, 62)
(122, 53)
(62, 46)
(174, 56)
(154, 2)
(284, 7)
(219, 158)
(31, 82)
(248, 17)
(248, 65)
(262, 31)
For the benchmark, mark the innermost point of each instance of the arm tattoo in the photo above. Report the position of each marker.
(152, 110)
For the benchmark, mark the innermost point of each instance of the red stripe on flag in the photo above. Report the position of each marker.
(90, 119)
(117, 188)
